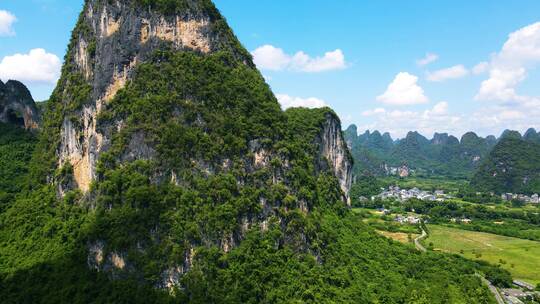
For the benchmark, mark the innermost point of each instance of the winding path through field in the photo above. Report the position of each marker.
(493, 290)
(418, 239)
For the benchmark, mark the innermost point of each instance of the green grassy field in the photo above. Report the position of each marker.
(520, 257)
(401, 237)
(425, 183)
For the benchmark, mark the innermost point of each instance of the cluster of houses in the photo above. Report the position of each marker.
(407, 219)
(394, 192)
(402, 219)
(533, 199)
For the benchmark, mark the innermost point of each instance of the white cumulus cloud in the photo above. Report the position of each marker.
(36, 67)
(454, 72)
(508, 68)
(269, 57)
(403, 90)
(429, 58)
(6, 23)
(501, 84)
(287, 101)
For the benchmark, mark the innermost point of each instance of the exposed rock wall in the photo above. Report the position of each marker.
(336, 154)
(17, 105)
(111, 39)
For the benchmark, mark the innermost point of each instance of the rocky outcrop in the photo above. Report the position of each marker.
(170, 277)
(97, 258)
(81, 145)
(17, 106)
(333, 148)
(111, 39)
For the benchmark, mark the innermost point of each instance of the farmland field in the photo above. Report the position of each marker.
(399, 236)
(520, 257)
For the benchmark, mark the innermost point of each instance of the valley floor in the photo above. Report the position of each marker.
(520, 257)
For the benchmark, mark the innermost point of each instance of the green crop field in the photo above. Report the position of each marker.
(520, 257)
(448, 185)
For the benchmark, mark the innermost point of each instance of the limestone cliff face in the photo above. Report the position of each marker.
(110, 40)
(267, 167)
(333, 147)
(17, 105)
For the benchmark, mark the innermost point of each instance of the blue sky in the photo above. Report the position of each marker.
(362, 58)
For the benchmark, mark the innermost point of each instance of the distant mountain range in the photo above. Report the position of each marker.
(444, 154)
(510, 163)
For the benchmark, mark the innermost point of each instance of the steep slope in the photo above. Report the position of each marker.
(17, 107)
(531, 135)
(512, 166)
(166, 172)
(108, 43)
(16, 147)
(474, 148)
(19, 119)
(168, 132)
(368, 150)
(412, 150)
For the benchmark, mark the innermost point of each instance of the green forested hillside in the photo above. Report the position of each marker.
(45, 257)
(16, 147)
(513, 166)
(207, 193)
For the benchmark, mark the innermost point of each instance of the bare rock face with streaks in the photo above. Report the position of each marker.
(214, 141)
(335, 153)
(111, 39)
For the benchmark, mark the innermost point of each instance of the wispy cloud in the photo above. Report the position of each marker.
(429, 58)
(6, 23)
(453, 72)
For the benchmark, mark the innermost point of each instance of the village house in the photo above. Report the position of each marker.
(394, 192)
(533, 199)
(402, 219)
(466, 221)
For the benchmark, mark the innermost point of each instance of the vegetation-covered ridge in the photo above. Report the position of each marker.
(204, 191)
(16, 148)
(179, 6)
(444, 156)
(513, 166)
